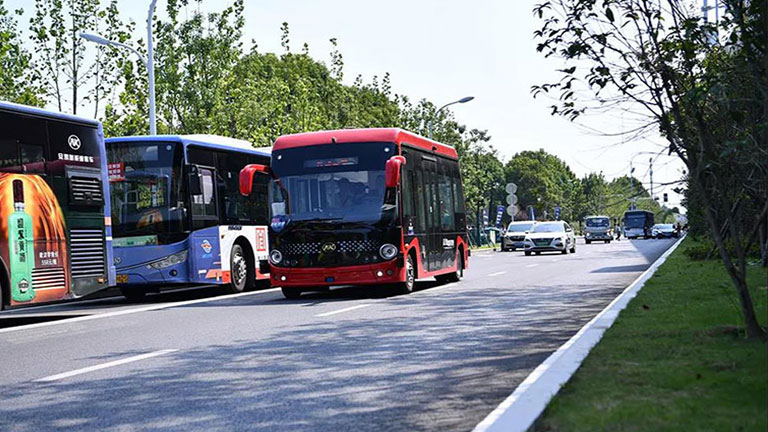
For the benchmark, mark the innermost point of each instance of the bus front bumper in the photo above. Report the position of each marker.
(366, 274)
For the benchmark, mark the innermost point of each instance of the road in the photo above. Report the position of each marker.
(351, 359)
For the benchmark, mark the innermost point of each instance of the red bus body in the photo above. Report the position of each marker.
(428, 221)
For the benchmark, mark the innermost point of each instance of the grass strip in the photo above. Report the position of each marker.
(676, 359)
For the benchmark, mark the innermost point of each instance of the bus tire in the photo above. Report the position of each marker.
(134, 294)
(588, 241)
(459, 273)
(240, 269)
(291, 293)
(406, 287)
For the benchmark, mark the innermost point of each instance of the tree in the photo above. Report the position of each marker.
(704, 86)
(544, 182)
(18, 83)
(67, 77)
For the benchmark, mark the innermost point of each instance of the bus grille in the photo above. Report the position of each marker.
(357, 246)
(48, 278)
(86, 190)
(87, 251)
(302, 248)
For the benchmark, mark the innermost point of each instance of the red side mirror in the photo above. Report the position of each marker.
(246, 177)
(393, 170)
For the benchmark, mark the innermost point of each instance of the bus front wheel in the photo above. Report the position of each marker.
(240, 270)
(406, 287)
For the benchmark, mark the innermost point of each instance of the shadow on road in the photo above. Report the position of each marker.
(442, 365)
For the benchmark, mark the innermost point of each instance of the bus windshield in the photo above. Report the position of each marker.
(343, 182)
(636, 220)
(598, 222)
(145, 190)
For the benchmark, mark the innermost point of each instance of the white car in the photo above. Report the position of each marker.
(515, 235)
(555, 236)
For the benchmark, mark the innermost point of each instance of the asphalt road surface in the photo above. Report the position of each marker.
(351, 359)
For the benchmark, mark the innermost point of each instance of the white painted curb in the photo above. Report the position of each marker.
(520, 409)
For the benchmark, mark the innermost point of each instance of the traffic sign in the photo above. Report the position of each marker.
(512, 210)
(511, 199)
(511, 188)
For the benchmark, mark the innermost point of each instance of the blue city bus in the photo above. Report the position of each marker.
(638, 223)
(179, 218)
(55, 233)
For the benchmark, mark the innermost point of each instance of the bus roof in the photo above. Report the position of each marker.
(394, 135)
(39, 112)
(597, 216)
(213, 141)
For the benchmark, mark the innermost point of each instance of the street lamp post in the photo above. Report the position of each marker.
(462, 100)
(148, 62)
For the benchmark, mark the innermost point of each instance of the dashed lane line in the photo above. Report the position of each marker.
(105, 365)
(325, 314)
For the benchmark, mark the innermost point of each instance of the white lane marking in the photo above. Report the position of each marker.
(134, 310)
(555, 260)
(342, 310)
(497, 273)
(431, 290)
(531, 265)
(105, 365)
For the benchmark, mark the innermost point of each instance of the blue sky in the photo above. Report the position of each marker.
(442, 51)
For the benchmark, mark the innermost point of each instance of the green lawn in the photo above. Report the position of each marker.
(675, 360)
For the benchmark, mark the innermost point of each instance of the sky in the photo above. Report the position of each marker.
(443, 51)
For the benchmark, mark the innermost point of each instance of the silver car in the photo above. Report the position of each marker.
(555, 236)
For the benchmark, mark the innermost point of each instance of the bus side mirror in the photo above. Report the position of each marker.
(246, 177)
(193, 179)
(392, 170)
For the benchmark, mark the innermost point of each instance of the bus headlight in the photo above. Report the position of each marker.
(168, 261)
(388, 251)
(276, 256)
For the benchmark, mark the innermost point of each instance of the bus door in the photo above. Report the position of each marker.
(434, 237)
(204, 250)
(446, 236)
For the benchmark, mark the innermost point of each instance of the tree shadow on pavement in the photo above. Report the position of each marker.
(415, 365)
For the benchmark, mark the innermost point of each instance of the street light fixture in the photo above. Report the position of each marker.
(148, 62)
(460, 101)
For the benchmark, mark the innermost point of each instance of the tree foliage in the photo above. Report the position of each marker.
(703, 85)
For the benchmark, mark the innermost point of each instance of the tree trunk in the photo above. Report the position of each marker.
(745, 299)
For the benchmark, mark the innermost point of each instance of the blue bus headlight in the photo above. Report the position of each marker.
(170, 260)
(388, 251)
(276, 256)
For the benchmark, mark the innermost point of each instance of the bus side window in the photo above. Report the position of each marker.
(421, 202)
(407, 195)
(204, 204)
(446, 203)
(32, 158)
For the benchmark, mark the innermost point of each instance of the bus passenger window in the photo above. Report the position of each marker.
(204, 205)
(446, 203)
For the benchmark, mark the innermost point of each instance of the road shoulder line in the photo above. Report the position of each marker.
(520, 409)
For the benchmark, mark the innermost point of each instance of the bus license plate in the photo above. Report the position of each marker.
(122, 278)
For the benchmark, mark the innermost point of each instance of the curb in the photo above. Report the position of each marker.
(520, 409)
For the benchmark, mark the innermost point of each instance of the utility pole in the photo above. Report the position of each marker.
(650, 161)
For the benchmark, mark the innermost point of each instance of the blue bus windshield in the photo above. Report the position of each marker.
(145, 188)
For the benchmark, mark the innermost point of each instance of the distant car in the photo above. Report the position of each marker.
(514, 237)
(555, 236)
(598, 228)
(664, 231)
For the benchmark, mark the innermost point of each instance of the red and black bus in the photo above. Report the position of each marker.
(363, 207)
